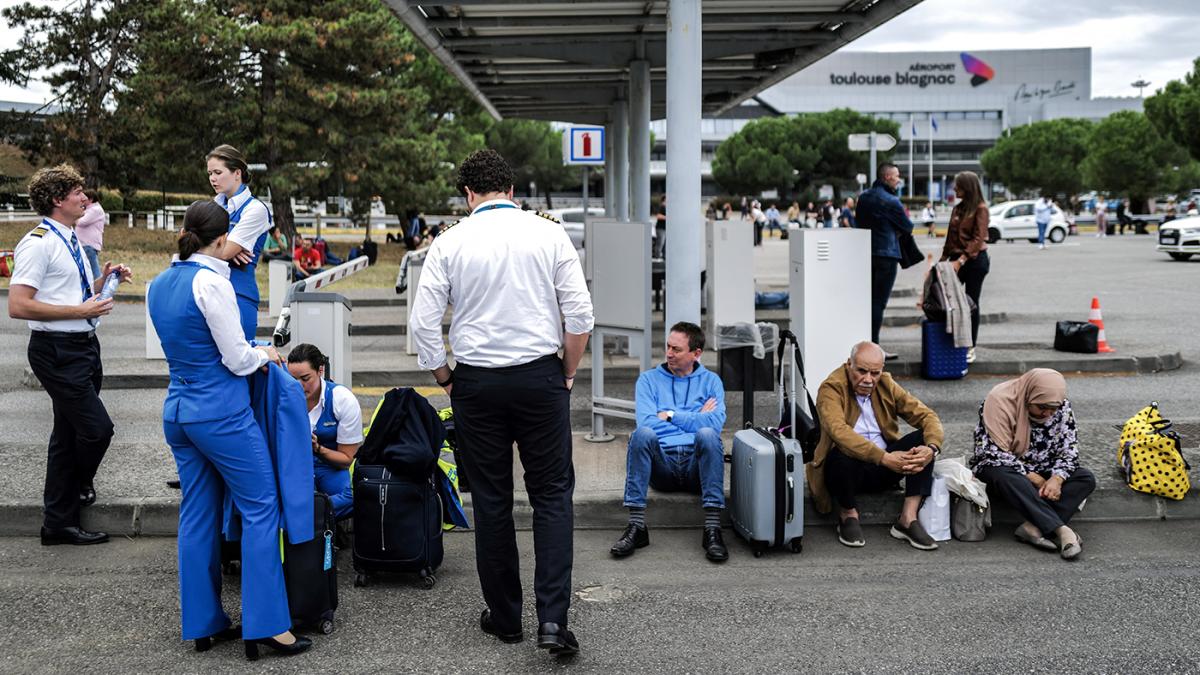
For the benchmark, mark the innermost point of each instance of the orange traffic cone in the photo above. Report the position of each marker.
(1095, 318)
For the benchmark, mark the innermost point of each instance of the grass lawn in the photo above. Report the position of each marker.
(149, 252)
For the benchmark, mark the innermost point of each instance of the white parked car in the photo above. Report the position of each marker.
(572, 221)
(1180, 238)
(1015, 220)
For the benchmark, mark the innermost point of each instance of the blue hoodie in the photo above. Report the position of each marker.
(659, 390)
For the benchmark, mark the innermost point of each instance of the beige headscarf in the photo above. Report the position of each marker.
(1005, 411)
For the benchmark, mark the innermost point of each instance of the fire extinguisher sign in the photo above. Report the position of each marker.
(583, 146)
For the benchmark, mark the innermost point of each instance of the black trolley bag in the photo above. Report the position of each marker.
(397, 525)
(766, 485)
(310, 571)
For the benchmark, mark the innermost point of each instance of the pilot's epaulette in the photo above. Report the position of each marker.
(446, 228)
(39, 231)
(549, 217)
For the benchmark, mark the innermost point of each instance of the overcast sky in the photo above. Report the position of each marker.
(1151, 39)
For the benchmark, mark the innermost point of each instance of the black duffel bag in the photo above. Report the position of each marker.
(1079, 337)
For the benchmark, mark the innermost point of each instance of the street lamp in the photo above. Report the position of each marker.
(1140, 84)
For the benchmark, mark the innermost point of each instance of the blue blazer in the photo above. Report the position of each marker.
(281, 411)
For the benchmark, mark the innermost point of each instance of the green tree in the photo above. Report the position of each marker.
(534, 149)
(790, 153)
(1175, 111)
(87, 49)
(1043, 157)
(1127, 156)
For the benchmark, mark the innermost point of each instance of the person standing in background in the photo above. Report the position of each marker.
(90, 230)
(880, 211)
(1101, 217)
(966, 244)
(249, 220)
(846, 218)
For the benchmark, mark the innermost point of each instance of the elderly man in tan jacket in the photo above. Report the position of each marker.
(861, 449)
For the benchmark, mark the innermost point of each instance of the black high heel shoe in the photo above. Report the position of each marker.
(301, 644)
(205, 643)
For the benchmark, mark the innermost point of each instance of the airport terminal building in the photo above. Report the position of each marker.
(963, 100)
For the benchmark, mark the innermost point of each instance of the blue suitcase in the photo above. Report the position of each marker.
(940, 359)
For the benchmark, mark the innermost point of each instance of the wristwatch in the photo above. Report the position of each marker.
(936, 450)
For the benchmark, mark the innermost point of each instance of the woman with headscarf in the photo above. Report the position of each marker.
(1026, 450)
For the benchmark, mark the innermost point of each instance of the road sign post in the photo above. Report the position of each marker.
(871, 142)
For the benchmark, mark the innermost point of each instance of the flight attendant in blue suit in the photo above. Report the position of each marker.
(336, 420)
(217, 444)
(249, 221)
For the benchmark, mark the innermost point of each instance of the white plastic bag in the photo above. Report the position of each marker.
(960, 480)
(935, 512)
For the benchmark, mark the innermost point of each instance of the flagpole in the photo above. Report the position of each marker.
(912, 127)
(931, 157)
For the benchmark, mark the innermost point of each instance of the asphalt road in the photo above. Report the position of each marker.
(1128, 606)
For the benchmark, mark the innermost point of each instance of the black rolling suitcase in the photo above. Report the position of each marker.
(310, 571)
(397, 525)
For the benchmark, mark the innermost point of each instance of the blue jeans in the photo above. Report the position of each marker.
(696, 468)
(1042, 232)
(93, 259)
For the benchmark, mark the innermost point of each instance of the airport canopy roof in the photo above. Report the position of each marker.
(554, 60)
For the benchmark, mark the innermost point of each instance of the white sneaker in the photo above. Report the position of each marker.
(971, 355)
(1041, 247)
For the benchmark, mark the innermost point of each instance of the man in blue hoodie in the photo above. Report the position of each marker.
(677, 445)
(880, 211)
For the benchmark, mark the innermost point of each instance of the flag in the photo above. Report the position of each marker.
(914, 128)
(933, 122)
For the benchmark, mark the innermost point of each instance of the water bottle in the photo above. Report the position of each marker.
(110, 286)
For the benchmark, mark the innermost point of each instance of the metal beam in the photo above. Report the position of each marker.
(685, 230)
(755, 38)
(781, 18)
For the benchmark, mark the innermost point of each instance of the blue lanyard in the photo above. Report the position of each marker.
(83, 282)
(489, 207)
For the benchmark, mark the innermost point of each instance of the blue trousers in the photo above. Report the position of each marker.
(93, 259)
(334, 482)
(695, 468)
(1042, 232)
(211, 457)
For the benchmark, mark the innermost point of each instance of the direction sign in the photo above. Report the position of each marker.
(862, 142)
(583, 146)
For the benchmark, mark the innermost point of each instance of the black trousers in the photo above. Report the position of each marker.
(69, 369)
(883, 277)
(1014, 487)
(847, 477)
(971, 275)
(529, 405)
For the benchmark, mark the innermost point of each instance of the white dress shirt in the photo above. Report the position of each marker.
(345, 410)
(214, 296)
(253, 222)
(513, 277)
(43, 262)
(867, 426)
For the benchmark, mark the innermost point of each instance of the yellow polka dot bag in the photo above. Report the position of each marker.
(1150, 457)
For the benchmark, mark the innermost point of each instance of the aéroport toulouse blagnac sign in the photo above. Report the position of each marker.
(921, 74)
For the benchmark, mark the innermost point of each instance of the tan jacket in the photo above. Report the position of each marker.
(839, 412)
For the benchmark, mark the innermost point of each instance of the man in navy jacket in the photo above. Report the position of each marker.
(677, 446)
(879, 210)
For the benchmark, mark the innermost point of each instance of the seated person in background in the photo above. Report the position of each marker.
(677, 445)
(1027, 452)
(276, 245)
(308, 259)
(336, 420)
(861, 449)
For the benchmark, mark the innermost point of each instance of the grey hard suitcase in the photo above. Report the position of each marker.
(766, 490)
(766, 484)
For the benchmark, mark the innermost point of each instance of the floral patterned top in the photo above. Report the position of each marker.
(1053, 447)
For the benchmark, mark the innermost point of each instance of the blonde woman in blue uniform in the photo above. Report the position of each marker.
(249, 221)
(216, 442)
(336, 420)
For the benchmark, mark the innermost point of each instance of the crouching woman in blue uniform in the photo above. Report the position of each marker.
(217, 444)
(249, 221)
(336, 420)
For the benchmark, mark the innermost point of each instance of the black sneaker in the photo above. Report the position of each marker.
(915, 535)
(850, 533)
(633, 538)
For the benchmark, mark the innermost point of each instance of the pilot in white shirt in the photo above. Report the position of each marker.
(53, 289)
(519, 297)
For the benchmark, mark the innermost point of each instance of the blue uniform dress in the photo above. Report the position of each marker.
(244, 284)
(217, 445)
(333, 481)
